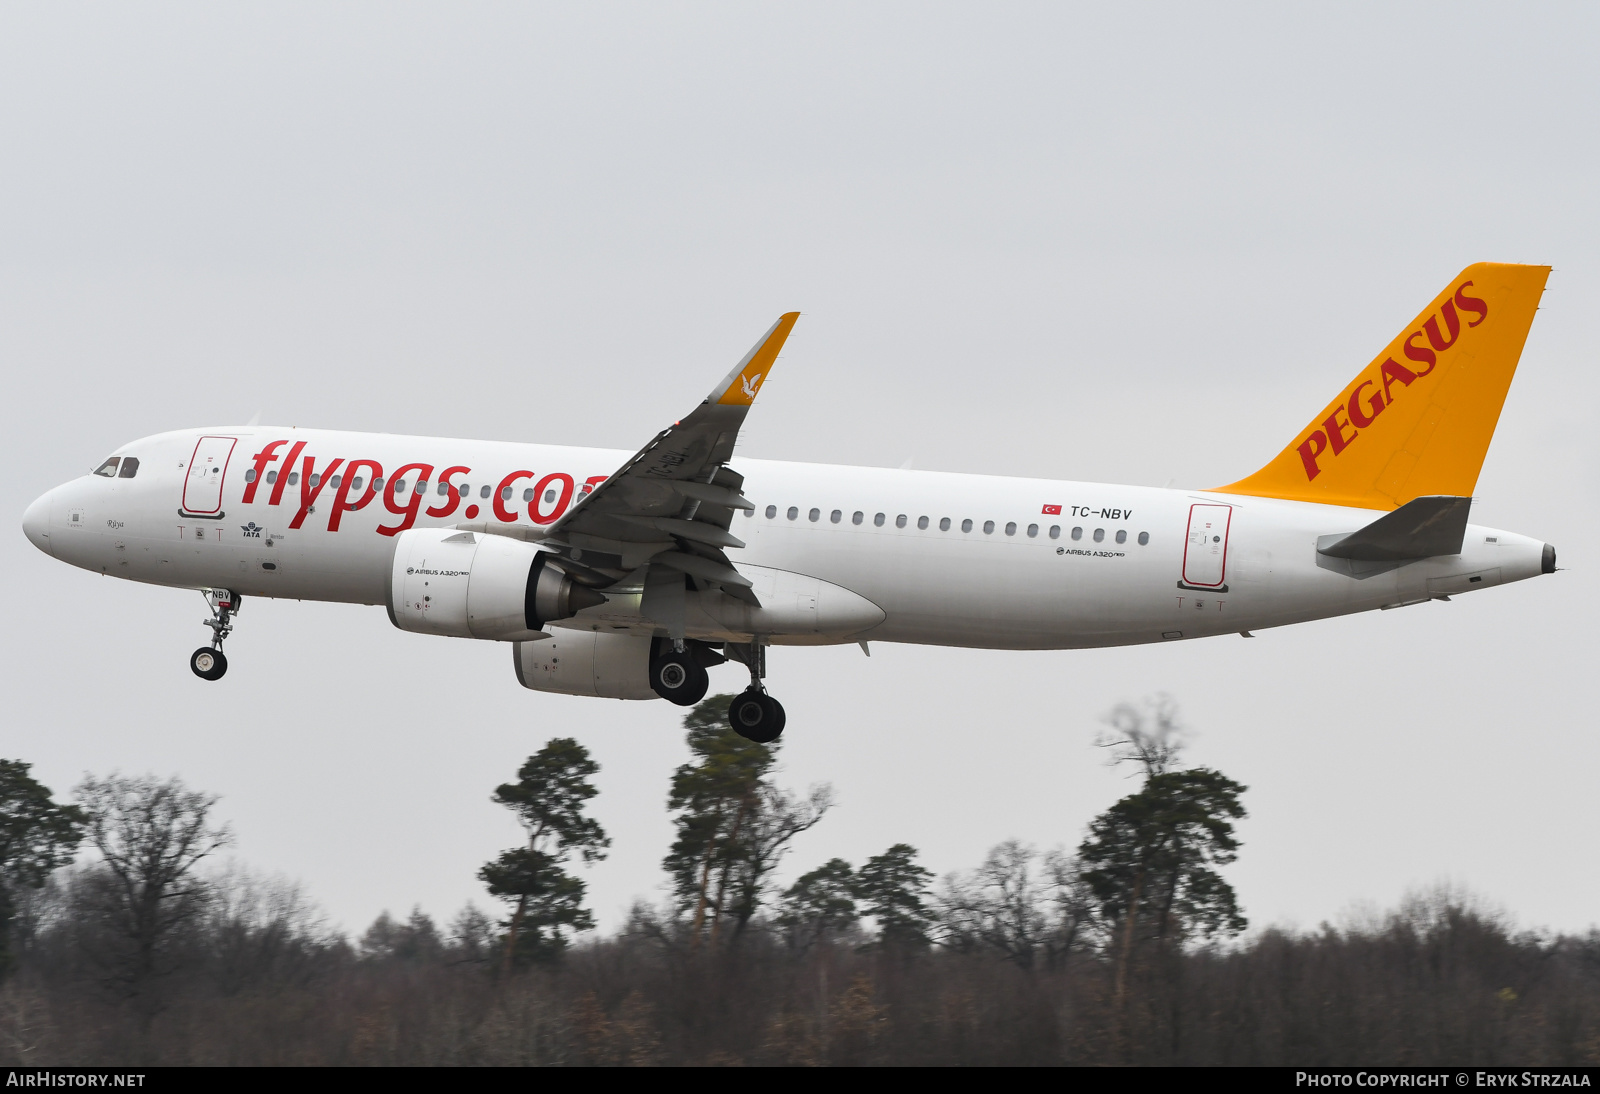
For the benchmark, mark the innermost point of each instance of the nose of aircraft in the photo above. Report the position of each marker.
(36, 522)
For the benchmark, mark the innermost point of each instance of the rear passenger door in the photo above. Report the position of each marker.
(1205, 551)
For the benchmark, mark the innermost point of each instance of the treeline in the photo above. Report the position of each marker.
(1125, 950)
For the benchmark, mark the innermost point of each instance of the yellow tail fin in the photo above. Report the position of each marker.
(1418, 420)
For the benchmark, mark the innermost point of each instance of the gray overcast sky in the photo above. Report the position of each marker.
(1123, 243)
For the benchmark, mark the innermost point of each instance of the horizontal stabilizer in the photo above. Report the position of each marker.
(1421, 528)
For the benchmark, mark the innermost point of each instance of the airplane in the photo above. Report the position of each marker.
(628, 576)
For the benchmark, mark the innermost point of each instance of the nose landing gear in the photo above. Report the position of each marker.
(208, 662)
(755, 715)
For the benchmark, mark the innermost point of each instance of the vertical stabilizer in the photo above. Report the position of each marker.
(1417, 421)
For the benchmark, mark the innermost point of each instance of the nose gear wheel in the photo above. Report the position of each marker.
(208, 662)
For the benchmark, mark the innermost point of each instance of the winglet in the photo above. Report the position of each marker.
(742, 384)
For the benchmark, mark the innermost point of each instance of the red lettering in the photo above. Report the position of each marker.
(283, 478)
(1421, 354)
(341, 503)
(1310, 448)
(309, 492)
(450, 491)
(593, 481)
(1360, 415)
(1336, 428)
(262, 458)
(413, 499)
(1393, 370)
(501, 495)
(1472, 304)
(1450, 322)
(567, 486)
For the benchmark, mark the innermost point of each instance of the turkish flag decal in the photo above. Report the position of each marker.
(1052, 510)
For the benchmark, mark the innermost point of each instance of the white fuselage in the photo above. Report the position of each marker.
(1116, 565)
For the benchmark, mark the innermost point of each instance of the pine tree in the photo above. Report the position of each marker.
(548, 799)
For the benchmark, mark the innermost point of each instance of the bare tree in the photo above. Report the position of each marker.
(1027, 915)
(1150, 735)
(151, 836)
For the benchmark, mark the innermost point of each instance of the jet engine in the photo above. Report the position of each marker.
(474, 585)
(604, 664)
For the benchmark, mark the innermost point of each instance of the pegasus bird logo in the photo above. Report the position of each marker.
(750, 383)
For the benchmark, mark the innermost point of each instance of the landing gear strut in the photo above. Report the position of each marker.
(755, 715)
(208, 662)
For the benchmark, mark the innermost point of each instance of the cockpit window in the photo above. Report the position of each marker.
(130, 468)
(108, 470)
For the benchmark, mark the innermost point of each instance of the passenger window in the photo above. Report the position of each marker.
(272, 476)
(294, 478)
(1077, 533)
(1144, 538)
(444, 488)
(316, 481)
(464, 490)
(505, 492)
(1011, 528)
(944, 524)
(1033, 530)
(483, 491)
(355, 483)
(814, 514)
(922, 523)
(900, 521)
(835, 516)
(334, 482)
(966, 525)
(772, 511)
(249, 476)
(877, 521)
(108, 470)
(1055, 531)
(988, 527)
(793, 513)
(857, 517)
(130, 468)
(422, 486)
(1099, 535)
(527, 495)
(1122, 536)
(549, 496)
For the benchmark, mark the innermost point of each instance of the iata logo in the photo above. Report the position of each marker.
(251, 530)
(1363, 408)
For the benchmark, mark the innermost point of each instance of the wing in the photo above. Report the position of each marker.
(672, 504)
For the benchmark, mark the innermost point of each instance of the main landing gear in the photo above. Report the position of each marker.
(678, 676)
(208, 662)
(755, 715)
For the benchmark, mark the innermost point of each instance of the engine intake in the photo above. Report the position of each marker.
(473, 585)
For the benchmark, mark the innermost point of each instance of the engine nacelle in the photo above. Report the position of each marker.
(474, 585)
(603, 664)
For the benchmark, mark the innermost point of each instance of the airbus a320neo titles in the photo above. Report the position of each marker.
(627, 576)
